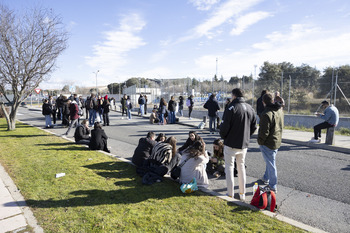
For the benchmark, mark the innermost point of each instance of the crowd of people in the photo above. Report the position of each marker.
(154, 157)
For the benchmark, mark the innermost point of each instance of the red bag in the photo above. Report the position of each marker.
(264, 199)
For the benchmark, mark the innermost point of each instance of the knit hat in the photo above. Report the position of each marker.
(106, 97)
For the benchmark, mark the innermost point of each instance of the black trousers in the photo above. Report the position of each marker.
(319, 127)
(190, 111)
(105, 118)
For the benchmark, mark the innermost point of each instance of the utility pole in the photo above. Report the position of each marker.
(290, 85)
(335, 87)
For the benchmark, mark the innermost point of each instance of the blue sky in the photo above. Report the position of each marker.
(183, 38)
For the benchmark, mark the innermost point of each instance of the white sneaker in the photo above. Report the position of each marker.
(315, 140)
(242, 197)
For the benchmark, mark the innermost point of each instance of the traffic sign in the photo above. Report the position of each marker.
(37, 90)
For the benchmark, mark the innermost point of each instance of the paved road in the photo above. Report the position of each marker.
(314, 184)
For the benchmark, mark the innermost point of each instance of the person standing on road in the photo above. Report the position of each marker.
(259, 104)
(47, 111)
(105, 113)
(181, 105)
(172, 108)
(190, 103)
(145, 107)
(124, 106)
(238, 126)
(162, 111)
(270, 137)
(142, 105)
(330, 117)
(59, 104)
(129, 107)
(213, 107)
(74, 114)
(65, 112)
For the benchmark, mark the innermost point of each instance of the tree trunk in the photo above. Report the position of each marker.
(10, 118)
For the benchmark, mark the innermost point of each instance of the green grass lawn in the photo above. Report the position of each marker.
(102, 194)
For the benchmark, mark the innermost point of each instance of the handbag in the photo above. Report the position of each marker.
(190, 187)
(176, 172)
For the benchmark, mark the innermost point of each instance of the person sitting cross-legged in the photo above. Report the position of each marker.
(82, 133)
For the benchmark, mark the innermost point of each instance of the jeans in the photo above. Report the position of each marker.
(230, 155)
(212, 120)
(161, 118)
(172, 117)
(48, 121)
(73, 122)
(92, 116)
(319, 127)
(142, 110)
(129, 113)
(271, 169)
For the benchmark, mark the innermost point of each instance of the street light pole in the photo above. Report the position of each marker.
(96, 80)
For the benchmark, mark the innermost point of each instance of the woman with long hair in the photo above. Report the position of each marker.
(162, 111)
(216, 164)
(195, 159)
(192, 138)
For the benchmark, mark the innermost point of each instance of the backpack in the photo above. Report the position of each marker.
(264, 199)
(188, 102)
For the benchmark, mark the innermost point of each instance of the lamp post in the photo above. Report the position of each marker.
(96, 80)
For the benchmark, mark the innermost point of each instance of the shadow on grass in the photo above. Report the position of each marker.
(128, 189)
(24, 136)
(57, 144)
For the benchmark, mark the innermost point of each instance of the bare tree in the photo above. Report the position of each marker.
(29, 47)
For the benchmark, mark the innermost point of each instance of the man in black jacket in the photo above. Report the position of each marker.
(82, 133)
(238, 126)
(143, 149)
(213, 107)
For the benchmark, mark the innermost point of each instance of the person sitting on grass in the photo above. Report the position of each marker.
(143, 149)
(216, 164)
(192, 138)
(163, 159)
(98, 139)
(196, 159)
(82, 133)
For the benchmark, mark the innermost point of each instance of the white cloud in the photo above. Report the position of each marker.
(301, 44)
(158, 56)
(110, 55)
(220, 15)
(204, 5)
(247, 20)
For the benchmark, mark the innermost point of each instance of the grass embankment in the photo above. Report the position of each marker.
(102, 194)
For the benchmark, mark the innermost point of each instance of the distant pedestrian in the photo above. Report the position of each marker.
(124, 105)
(82, 133)
(93, 106)
(279, 99)
(146, 102)
(190, 103)
(259, 104)
(330, 117)
(162, 111)
(181, 106)
(87, 107)
(270, 137)
(65, 111)
(98, 139)
(172, 108)
(129, 107)
(213, 107)
(105, 107)
(59, 104)
(52, 102)
(238, 126)
(141, 102)
(47, 111)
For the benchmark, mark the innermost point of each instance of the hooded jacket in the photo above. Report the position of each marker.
(213, 106)
(239, 124)
(271, 126)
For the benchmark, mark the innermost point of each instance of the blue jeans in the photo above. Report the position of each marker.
(142, 109)
(212, 120)
(172, 118)
(48, 121)
(161, 118)
(92, 116)
(271, 169)
(129, 113)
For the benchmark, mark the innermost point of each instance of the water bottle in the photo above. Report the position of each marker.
(255, 187)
